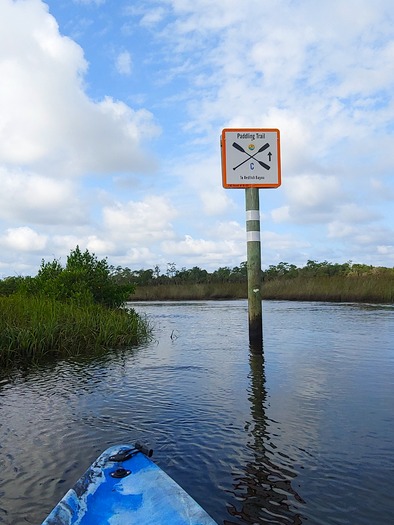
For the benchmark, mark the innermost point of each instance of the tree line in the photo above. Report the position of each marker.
(238, 274)
(86, 279)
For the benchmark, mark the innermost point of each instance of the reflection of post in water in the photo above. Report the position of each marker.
(264, 489)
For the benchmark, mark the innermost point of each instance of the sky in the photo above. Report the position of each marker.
(111, 113)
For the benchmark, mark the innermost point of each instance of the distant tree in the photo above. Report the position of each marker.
(198, 275)
(240, 273)
(221, 275)
(122, 275)
(171, 269)
(193, 275)
(283, 269)
(360, 269)
(156, 271)
(143, 277)
(325, 268)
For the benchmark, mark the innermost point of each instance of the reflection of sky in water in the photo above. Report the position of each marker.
(306, 433)
(332, 389)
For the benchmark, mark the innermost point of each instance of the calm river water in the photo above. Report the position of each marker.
(303, 435)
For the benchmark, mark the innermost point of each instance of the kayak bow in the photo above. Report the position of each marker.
(124, 487)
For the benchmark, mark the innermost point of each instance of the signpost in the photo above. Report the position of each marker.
(251, 160)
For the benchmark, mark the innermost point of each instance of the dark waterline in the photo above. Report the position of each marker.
(304, 435)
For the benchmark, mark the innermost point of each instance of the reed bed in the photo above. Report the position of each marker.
(185, 292)
(363, 289)
(373, 288)
(33, 328)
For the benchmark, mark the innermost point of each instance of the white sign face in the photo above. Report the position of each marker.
(251, 158)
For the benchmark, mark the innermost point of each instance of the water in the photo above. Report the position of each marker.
(304, 436)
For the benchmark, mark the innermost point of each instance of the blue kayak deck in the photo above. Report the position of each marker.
(127, 492)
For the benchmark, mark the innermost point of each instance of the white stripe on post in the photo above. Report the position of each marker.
(252, 215)
(253, 236)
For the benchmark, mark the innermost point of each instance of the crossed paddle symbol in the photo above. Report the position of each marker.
(240, 148)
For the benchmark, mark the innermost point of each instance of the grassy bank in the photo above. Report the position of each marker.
(352, 288)
(32, 328)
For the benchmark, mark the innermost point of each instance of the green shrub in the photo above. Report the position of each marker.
(84, 280)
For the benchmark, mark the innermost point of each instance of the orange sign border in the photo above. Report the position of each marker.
(223, 155)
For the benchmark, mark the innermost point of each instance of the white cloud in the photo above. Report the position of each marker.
(214, 202)
(140, 256)
(123, 63)
(356, 214)
(312, 83)
(147, 221)
(198, 250)
(387, 250)
(381, 190)
(313, 191)
(153, 16)
(47, 121)
(340, 230)
(87, 2)
(311, 199)
(199, 179)
(64, 243)
(316, 71)
(282, 244)
(281, 214)
(23, 239)
(29, 197)
(229, 230)
(100, 246)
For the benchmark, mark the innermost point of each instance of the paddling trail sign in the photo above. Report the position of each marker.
(251, 158)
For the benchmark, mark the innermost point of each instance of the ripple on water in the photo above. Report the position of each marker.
(303, 435)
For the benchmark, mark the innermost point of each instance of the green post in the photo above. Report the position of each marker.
(254, 268)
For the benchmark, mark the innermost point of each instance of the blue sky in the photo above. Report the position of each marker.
(110, 121)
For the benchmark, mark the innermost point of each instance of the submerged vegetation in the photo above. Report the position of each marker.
(67, 311)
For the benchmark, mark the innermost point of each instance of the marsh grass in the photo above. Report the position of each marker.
(374, 288)
(363, 289)
(195, 292)
(32, 328)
